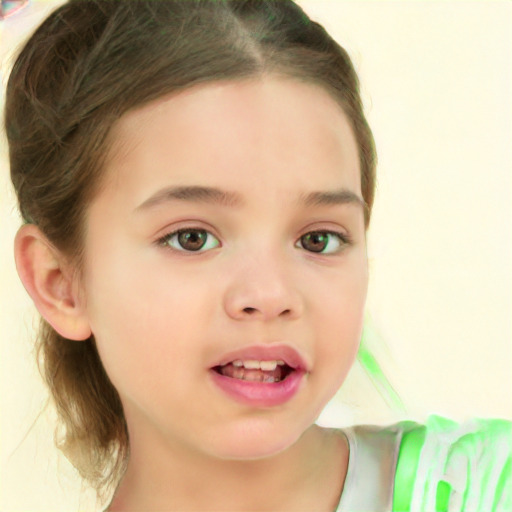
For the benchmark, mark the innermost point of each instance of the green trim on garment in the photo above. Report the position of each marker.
(444, 490)
(407, 465)
(505, 478)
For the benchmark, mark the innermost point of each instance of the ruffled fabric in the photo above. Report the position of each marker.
(455, 468)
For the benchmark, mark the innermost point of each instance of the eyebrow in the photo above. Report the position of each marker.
(211, 195)
(195, 194)
(335, 197)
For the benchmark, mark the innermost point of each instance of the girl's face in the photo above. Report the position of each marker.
(276, 257)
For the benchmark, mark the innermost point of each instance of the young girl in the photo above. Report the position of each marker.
(196, 178)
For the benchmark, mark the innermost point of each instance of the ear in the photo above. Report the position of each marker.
(50, 282)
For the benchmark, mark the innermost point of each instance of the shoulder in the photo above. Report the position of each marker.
(444, 465)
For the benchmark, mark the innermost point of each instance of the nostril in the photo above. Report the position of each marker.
(286, 312)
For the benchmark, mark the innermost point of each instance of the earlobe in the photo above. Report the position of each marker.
(49, 282)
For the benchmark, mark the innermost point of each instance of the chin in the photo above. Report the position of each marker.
(254, 440)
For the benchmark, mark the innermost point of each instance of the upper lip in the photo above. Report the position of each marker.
(283, 352)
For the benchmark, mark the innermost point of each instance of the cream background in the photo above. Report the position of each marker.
(436, 81)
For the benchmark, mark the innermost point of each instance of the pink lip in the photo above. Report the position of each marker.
(282, 352)
(259, 394)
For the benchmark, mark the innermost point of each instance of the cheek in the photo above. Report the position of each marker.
(144, 319)
(341, 315)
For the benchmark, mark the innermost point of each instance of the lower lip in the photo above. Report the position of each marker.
(259, 394)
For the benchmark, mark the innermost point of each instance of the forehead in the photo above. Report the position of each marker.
(270, 131)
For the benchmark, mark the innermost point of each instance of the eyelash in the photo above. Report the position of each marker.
(344, 240)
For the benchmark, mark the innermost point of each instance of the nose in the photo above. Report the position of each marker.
(263, 289)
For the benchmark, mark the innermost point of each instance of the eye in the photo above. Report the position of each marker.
(324, 242)
(190, 240)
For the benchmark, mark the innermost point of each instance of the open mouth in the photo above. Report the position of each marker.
(256, 371)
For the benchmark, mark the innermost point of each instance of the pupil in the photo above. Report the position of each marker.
(315, 242)
(192, 240)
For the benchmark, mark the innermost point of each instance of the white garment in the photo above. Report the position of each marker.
(474, 459)
(371, 468)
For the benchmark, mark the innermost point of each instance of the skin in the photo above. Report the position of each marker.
(162, 317)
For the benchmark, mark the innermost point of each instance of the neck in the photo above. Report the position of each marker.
(307, 476)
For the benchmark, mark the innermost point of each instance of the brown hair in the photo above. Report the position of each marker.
(89, 63)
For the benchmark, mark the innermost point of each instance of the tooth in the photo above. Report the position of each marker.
(254, 377)
(269, 378)
(268, 366)
(252, 365)
(238, 373)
